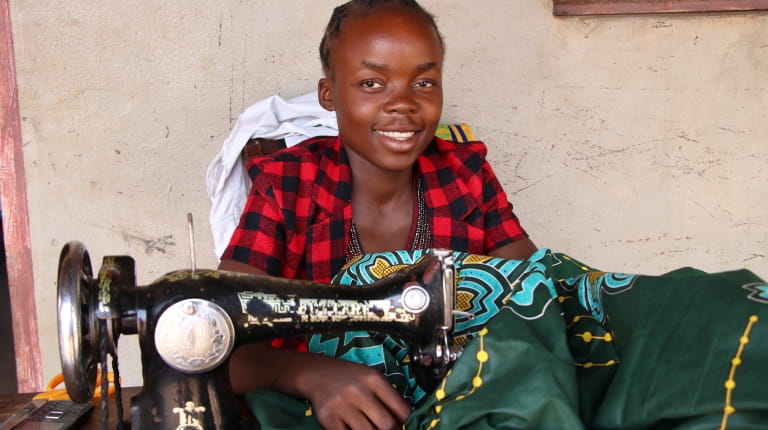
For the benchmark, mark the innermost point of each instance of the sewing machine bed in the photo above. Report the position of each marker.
(575, 347)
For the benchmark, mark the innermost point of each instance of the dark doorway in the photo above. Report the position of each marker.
(7, 360)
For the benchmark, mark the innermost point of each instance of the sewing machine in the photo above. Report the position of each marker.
(189, 321)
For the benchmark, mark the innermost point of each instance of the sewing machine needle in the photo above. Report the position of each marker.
(191, 240)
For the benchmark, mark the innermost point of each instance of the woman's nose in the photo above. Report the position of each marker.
(401, 101)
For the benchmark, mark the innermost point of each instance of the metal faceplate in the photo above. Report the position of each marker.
(415, 298)
(194, 335)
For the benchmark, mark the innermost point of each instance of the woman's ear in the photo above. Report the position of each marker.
(324, 95)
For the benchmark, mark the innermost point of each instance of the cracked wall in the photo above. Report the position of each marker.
(633, 143)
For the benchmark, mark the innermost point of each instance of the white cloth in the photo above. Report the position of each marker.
(227, 181)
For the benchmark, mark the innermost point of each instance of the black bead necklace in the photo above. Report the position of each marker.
(422, 237)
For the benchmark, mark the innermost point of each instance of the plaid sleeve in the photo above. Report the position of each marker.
(471, 212)
(260, 238)
(501, 224)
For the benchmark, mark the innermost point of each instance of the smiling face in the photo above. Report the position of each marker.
(384, 83)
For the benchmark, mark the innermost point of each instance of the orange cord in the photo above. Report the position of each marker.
(54, 393)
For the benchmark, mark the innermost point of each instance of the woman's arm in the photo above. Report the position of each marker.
(517, 250)
(343, 394)
(236, 266)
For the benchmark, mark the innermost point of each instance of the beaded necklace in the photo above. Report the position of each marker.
(422, 237)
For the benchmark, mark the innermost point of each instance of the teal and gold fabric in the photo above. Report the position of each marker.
(556, 344)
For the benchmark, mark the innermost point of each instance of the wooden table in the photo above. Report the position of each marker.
(11, 403)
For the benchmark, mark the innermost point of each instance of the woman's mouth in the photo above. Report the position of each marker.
(399, 135)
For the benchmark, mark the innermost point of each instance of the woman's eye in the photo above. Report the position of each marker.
(425, 84)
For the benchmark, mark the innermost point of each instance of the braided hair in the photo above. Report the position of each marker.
(363, 8)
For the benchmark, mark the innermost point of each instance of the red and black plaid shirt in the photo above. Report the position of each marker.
(297, 219)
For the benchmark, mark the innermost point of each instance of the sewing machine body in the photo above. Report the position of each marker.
(189, 321)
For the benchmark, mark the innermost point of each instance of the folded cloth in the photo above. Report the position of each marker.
(272, 118)
(556, 344)
(455, 132)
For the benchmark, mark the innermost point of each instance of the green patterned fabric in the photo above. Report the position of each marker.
(559, 345)
(455, 132)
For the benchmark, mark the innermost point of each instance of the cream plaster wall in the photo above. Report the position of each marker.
(634, 143)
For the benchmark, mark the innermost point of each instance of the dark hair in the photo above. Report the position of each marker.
(363, 8)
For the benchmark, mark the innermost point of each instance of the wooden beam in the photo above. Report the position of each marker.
(13, 201)
(604, 7)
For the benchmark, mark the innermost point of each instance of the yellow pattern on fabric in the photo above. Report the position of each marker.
(482, 357)
(593, 276)
(578, 318)
(464, 300)
(581, 265)
(352, 261)
(455, 132)
(513, 291)
(590, 364)
(461, 340)
(476, 258)
(588, 337)
(382, 268)
(730, 383)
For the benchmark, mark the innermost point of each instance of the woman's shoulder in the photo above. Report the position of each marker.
(313, 169)
(458, 155)
(307, 155)
(307, 150)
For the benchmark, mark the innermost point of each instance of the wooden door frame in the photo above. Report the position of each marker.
(13, 202)
(606, 7)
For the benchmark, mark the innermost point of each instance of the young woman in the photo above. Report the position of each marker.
(385, 183)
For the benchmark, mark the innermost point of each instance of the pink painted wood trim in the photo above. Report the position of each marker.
(13, 200)
(604, 7)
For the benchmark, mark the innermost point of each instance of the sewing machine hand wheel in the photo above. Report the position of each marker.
(78, 326)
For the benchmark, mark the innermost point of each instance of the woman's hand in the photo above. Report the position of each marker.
(344, 395)
(350, 395)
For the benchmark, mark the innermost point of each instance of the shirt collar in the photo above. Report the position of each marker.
(333, 190)
(450, 197)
